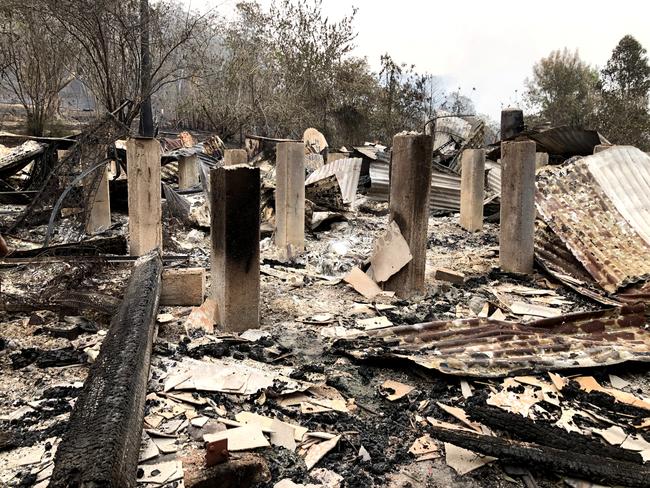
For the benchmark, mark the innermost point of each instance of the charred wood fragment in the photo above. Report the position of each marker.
(594, 468)
(546, 434)
(101, 446)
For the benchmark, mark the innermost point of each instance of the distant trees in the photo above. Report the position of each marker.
(273, 69)
(280, 69)
(564, 90)
(34, 63)
(625, 84)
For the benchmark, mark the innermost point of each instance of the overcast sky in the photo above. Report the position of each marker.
(486, 48)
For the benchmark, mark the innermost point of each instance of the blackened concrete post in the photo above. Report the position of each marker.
(410, 184)
(235, 232)
(512, 122)
(290, 198)
(516, 239)
(472, 189)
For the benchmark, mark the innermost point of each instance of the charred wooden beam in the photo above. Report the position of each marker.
(101, 445)
(594, 468)
(546, 434)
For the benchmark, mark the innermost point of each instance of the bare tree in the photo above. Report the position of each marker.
(34, 55)
(108, 55)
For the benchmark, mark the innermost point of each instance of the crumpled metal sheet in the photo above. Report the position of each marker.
(554, 257)
(487, 348)
(347, 171)
(588, 214)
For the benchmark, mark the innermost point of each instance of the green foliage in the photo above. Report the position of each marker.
(625, 84)
(562, 90)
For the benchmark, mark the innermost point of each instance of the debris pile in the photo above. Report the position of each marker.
(119, 368)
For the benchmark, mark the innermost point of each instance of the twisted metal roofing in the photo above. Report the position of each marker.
(599, 207)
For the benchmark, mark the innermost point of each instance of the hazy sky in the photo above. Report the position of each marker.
(486, 48)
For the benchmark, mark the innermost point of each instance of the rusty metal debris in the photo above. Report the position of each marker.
(590, 205)
(492, 348)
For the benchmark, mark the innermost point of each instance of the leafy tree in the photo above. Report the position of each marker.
(562, 90)
(625, 87)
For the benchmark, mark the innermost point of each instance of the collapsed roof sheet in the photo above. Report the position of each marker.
(490, 348)
(347, 171)
(564, 141)
(598, 206)
(567, 141)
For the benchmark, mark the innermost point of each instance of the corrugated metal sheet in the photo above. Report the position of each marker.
(379, 181)
(493, 177)
(554, 257)
(347, 173)
(445, 192)
(567, 141)
(623, 172)
(445, 187)
(576, 206)
(490, 348)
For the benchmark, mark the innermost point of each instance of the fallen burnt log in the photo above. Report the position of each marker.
(573, 463)
(546, 434)
(101, 445)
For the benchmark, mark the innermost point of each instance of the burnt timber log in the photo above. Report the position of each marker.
(547, 434)
(101, 445)
(594, 468)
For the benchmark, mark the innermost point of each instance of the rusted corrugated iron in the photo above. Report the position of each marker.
(490, 348)
(576, 206)
(553, 256)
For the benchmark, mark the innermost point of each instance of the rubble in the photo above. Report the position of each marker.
(479, 377)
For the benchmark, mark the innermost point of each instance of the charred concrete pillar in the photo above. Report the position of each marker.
(512, 122)
(188, 172)
(516, 239)
(145, 211)
(235, 156)
(290, 197)
(410, 184)
(235, 228)
(472, 189)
